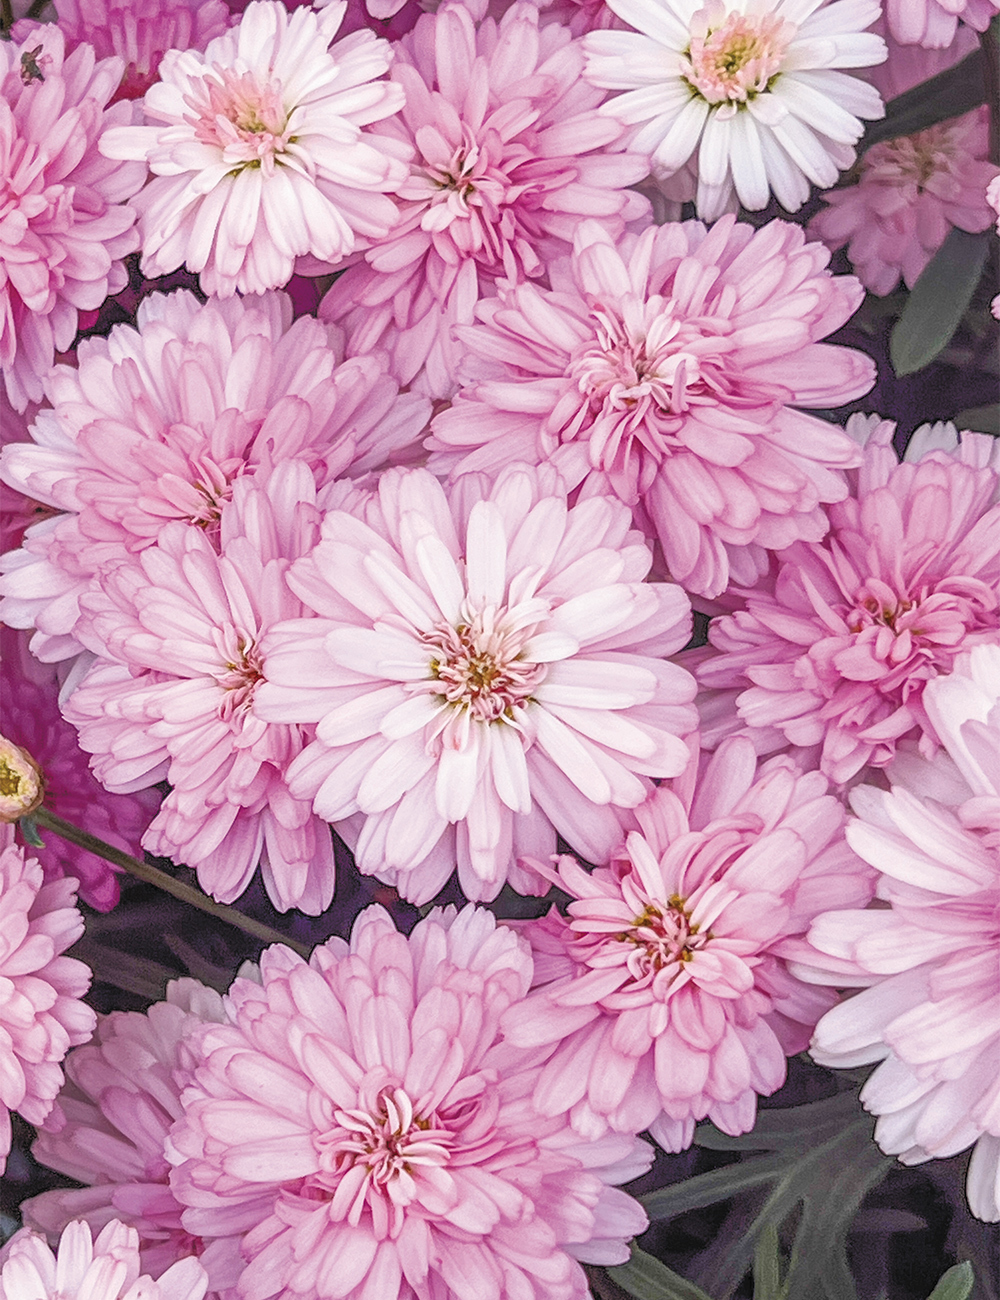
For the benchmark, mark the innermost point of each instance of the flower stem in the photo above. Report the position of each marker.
(154, 876)
(6, 19)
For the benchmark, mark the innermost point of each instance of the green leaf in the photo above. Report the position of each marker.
(938, 301)
(956, 1284)
(647, 1279)
(955, 91)
(767, 1266)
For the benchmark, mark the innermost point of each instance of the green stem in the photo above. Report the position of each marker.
(990, 42)
(6, 19)
(36, 8)
(154, 876)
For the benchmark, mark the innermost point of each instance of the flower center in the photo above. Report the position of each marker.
(662, 937)
(247, 120)
(21, 786)
(914, 159)
(477, 665)
(732, 61)
(642, 363)
(243, 670)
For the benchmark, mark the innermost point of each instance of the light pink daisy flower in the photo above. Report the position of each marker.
(485, 668)
(157, 423)
(65, 223)
(365, 1126)
(933, 23)
(664, 991)
(121, 1097)
(932, 1013)
(182, 626)
(257, 150)
(753, 87)
(41, 1015)
(837, 648)
(667, 368)
(88, 1268)
(509, 156)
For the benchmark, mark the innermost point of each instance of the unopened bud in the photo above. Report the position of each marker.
(21, 785)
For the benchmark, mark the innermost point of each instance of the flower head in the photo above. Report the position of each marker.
(754, 89)
(377, 1140)
(933, 23)
(22, 787)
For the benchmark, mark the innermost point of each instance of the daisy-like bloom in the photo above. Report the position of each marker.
(755, 89)
(174, 696)
(665, 993)
(88, 1268)
(666, 366)
(157, 423)
(836, 650)
(911, 191)
(933, 23)
(932, 1013)
(121, 1096)
(65, 223)
(509, 156)
(366, 1127)
(257, 151)
(487, 660)
(41, 1015)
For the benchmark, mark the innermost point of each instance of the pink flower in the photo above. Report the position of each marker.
(665, 367)
(485, 669)
(64, 221)
(174, 698)
(909, 65)
(910, 193)
(365, 1126)
(669, 999)
(31, 719)
(157, 424)
(931, 1015)
(993, 197)
(121, 1096)
(837, 649)
(257, 150)
(86, 1268)
(41, 1015)
(933, 23)
(509, 156)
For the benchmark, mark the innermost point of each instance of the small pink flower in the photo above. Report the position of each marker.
(365, 1126)
(933, 23)
(670, 1000)
(41, 1015)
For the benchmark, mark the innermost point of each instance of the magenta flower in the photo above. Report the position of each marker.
(665, 368)
(933, 23)
(180, 627)
(363, 1124)
(485, 669)
(65, 223)
(509, 156)
(41, 1015)
(837, 649)
(669, 1000)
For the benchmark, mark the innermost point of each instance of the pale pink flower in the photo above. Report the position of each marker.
(667, 368)
(87, 1268)
(509, 156)
(933, 23)
(121, 1096)
(257, 150)
(909, 65)
(993, 198)
(365, 1126)
(932, 1013)
(65, 223)
(157, 423)
(837, 648)
(485, 670)
(41, 1015)
(174, 696)
(755, 90)
(664, 992)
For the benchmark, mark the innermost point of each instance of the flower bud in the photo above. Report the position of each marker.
(21, 785)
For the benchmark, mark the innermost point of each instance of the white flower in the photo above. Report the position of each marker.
(751, 86)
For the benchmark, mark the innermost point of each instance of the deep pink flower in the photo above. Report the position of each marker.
(181, 627)
(365, 1126)
(509, 156)
(665, 368)
(837, 649)
(485, 669)
(933, 22)
(41, 1015)
(65, 223)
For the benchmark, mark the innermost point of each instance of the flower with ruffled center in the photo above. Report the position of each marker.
(737, 59)
(21, 786)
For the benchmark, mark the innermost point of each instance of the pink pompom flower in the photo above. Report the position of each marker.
(933, 23)
(484, 668)
(509, 156)
(667, 367)
(41, 1015)
(257, 150)
(665, 993)
(365, 1126)
(65, 221)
